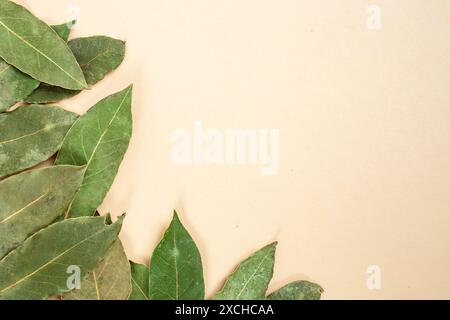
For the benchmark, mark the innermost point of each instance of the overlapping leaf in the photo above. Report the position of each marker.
(32, 200)
(139, 281)
(110, 280)
(30, 135)
(176, 271)
(96, 55)
(300, 290)
(34, 48)
(63, 30)
(251, 279)
(41, 266)
(98, 140)
(15, 85)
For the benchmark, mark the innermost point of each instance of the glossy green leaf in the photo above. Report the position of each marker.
(251, 278)
(32, 200)
(99, 140)
(139, 281)
(300, 290)
(43, 265)
(110, 280)
(15, 85)
(176, 271)
(34, 48)
(97, 56)
(30, 135)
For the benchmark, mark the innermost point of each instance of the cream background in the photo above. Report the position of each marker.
(365, 125)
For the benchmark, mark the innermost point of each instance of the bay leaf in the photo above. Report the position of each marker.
(99, 140)
(32, 200)
(251, 278)
(34, 48)
(110, 280)
(63, 30)
(97, 56)
(300, 290)
(48, 94)
(30, 135)
(43, 265)
(15, 85)
(176, 271)
(139, 282)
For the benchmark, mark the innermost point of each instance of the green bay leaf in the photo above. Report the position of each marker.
(30, 135)
(42, 265)
(300, 290)
(176, 271)
(110, 280)
(99, 140)
(97, 56)
(15, 85)
(34, 199)
(63, 30)
(251, 278)
(47, 94)
(139, 281)
(34, 48)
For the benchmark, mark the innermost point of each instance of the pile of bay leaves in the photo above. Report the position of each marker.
(53, 243)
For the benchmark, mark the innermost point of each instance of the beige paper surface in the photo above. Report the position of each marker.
(363, 109)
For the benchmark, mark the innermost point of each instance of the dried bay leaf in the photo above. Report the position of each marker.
(99, 140)
(41, 266)
(176, 271)
(32, 200)
(48, 94)
(30, 135)
(34, 48)
(139, 282)
(15, 85)
(110, 280)
(300, 290)
(97, 56)
(63, 30)
(251, 278)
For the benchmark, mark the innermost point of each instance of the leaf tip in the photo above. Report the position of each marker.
(121, 218)
(176, 216)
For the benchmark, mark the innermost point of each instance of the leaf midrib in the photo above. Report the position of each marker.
(253, 275)
(175, 251)
(23, 208)
(140, 288)
(46, 128)
(85, 65)
(5, 69)
(51, 261)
